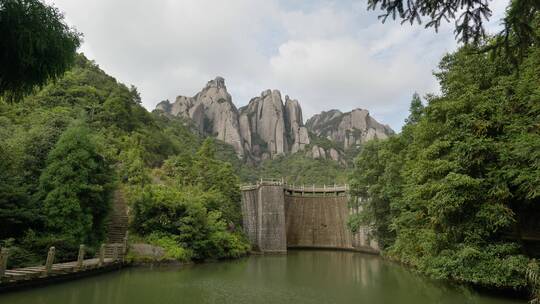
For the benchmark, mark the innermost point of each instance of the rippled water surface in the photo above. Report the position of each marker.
(298, 277)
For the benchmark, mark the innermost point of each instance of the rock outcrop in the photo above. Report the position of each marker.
(263, 129)
(295, 125)
(212, 112)
(350, 129)
(265, 118)
(270, 126)
(318, 152)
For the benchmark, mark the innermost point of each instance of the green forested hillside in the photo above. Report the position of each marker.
(457, 193)
(298, 169)
(68, 146)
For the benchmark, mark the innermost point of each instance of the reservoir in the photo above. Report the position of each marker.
(297, 277)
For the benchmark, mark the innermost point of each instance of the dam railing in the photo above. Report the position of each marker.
(295, 188)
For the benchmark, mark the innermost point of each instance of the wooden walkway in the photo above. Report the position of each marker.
(109, 256)
(29, 273)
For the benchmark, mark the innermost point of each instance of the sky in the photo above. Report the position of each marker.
(326, 54)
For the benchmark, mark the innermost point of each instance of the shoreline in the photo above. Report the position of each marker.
(173, 264)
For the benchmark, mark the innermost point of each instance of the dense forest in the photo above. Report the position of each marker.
(65, 149)
(457, 193)
(297, 168)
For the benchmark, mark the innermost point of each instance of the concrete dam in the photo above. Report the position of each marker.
(277, 216)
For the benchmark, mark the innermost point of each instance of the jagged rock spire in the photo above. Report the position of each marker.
(268, 126)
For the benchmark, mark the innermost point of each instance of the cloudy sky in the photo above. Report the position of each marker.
(326, 54)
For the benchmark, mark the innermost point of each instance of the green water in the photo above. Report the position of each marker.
(299, 277)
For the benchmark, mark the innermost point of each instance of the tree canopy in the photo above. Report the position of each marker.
(63, 146)
(36, 45)
(456, 194)
(469, 17)
(76, 187)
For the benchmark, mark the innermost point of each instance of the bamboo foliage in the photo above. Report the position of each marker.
(533, 276)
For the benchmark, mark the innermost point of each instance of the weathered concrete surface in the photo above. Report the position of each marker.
(277, 217)
(264, 217)
(147, 251)
(317, 221)
(271, 219)
(249, 215)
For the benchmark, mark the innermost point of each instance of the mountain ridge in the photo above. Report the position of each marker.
(270, 126)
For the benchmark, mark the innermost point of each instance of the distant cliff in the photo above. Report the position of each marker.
(350, 129)
(270, 126)
(212, 111)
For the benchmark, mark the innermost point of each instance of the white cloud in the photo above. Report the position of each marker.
(327, 54)
(344, 73)
(325, 22)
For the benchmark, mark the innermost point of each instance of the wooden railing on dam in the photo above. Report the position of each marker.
(298, 189)
(109, 256)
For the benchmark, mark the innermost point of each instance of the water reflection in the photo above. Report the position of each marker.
(299, 277)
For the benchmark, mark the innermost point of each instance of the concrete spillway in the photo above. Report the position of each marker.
(277, 217)
(317, 222)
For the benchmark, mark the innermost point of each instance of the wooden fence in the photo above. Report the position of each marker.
(108, 255)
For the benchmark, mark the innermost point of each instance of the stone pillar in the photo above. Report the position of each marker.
(271, 235)
(249, 215)
(4, 253)
(124, 251)
(50, 260)
(115, 252)
(101, 254)
(80, 257)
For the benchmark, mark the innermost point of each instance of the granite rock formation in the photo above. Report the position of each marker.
(270, 126)
(318, 152)
(350, 129)
(212, 112)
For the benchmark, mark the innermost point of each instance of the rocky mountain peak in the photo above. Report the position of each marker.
(218, 83)
(164, 106)
(212, 111)
(294, 123)
(351, 129)
(264, 125)
(269, 126)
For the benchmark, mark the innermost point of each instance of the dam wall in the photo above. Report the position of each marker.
(249, 214)
(277, 216)
(317, 221)
(264, 217)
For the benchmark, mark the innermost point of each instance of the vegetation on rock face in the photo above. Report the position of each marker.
(301, 169)
(458, 190)
(35, 46)
(297, 168)
(62, 149)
